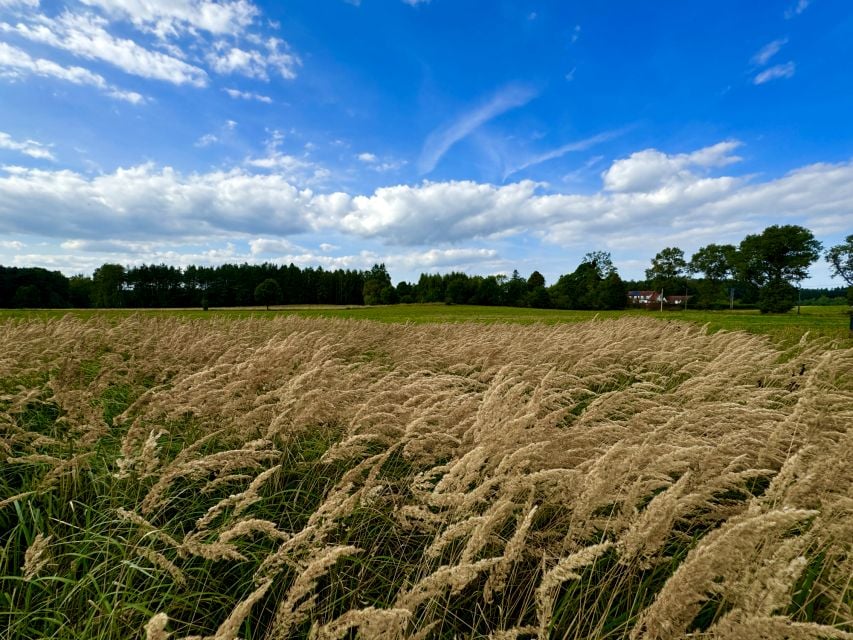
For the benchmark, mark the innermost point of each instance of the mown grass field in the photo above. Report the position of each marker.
(259, 475)
(831, 322)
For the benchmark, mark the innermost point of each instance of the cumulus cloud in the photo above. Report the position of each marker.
(442, 139)
(651, 169)
(29, 148)
(368, 158)
(86, 36)
(16, 63)
(785, 70)
(647, 196)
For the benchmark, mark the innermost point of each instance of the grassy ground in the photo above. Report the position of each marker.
(785, 329)
(282, 477)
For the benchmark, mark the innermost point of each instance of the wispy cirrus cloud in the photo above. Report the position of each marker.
(797, 9)
(786, 70)
(559, 152)
(443, 138)
(769, 50)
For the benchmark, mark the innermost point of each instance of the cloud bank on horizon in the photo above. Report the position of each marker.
(211, 131)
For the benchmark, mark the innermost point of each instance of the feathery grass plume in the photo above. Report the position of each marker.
(149, 528)
(514, 633)
(301, 596)
(149, 458)
(456, 577)
(193, 545)
(512, 553)
(565, 569)
(155, 629)
(250, 527)
(37, 557)
(372, 624)
(231, 626)
(162, 562)
(240, 501)
(711, 567)
(771, 628)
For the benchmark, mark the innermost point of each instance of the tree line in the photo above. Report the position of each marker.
(764, 271)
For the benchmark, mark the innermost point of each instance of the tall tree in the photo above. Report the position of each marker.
(776, 260)
(601, 261)
(714, 262)
(840, 259)
(107, 284)
(377, 285)
(668, 270)
(268, 292)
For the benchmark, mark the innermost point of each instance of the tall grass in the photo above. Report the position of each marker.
(289, 477)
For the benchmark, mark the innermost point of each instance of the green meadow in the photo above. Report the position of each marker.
(784, 329)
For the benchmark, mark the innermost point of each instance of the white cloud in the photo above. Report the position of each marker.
(29, 148)
(797, 9)
(86, 36)
(651, 169)
(576, 33)
(254, 63)
(559, 152)
(206, 140)
(14, 4)
(271, 246)
(16, 63)
(247, 95)
(169, 18)
(785, 70)
(144, 202)
(768, 51)
(368, 158)
(442, 139)
(414, 3)
(648, 196)
(15, 245)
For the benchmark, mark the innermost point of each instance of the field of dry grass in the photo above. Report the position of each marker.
(300, 477)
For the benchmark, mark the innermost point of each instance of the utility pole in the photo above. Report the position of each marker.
(661, 299)
(731, 298)
(799, 296)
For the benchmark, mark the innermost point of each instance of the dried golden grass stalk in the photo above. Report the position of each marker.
(155, 629)
(37, 557)
(372, 624)
(301, 596)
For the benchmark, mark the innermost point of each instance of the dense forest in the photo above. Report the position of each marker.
(764, 272)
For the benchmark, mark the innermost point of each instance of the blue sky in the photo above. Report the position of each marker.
(433, 135)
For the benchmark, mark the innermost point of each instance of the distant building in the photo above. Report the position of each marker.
(654, 297)
(643, 297)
